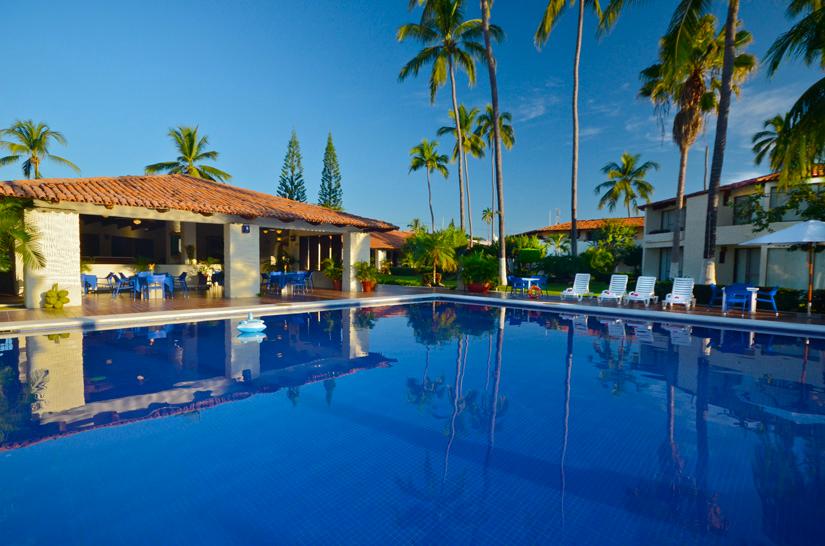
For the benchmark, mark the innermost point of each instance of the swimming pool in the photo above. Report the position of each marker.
(431, 423)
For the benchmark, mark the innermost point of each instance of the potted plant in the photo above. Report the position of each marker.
(479, 271)
(367, 274)
(333, 272)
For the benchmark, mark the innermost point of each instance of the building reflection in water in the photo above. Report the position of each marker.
(56, 384)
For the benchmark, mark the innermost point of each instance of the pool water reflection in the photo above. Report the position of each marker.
(434, 423)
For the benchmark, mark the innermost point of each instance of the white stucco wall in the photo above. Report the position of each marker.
(241, 261)
(60, 244)
(58, 364)
(356, 249)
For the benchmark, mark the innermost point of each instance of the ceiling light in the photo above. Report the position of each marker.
(136, 221)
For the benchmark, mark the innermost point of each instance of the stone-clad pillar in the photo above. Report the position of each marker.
(241, 264)
(356, 249)
(59, 241)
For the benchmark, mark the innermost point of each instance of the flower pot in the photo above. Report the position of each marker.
(478, 287)
(368, 286)
(336, 284)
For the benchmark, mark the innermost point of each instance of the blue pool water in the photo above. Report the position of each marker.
(433, 423)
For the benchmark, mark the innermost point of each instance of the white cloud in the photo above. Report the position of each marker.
(749, 112)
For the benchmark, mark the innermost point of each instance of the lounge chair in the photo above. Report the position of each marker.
(681, 294)
(616, 291)
(680, 334)
(643, 331)
(581, 286)
(645, 291)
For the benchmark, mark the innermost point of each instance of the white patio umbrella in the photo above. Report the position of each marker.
(809, 234)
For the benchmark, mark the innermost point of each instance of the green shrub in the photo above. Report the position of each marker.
(404, 271)
(478, 267)
(365, 271)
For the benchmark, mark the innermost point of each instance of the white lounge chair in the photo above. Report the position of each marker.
(616, 291)
(581, 286)
(643, 331)
(615, 328)
(679, 334)
(645, 291)
(681, 294)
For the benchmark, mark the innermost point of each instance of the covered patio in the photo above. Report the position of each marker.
(220, 240)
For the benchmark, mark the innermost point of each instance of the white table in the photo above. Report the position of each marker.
(753, 290)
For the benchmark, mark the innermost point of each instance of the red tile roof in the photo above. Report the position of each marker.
(181, 192)
(588, 225)
(773, 177)
(389, 240)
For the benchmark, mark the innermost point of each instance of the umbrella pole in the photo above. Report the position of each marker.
(811, 258)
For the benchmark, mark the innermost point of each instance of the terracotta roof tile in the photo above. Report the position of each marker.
(186, 193)
(390, 240)
(586, 225)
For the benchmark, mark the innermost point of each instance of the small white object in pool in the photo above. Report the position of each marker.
(251, 325)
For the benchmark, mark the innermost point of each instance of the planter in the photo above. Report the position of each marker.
(336, 284)
(368, 286)
(478, 287)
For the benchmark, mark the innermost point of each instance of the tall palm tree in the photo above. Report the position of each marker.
(416, 225)
(449, 42)
(765, 141)
(548, 20)
(488, 31)
(691, 83)
(471, 144)
(484, 129)
(425, 155)
(803, 137)
(488, 216)
(626, 182)
(192, 150)
(17, 238)
(30, 142)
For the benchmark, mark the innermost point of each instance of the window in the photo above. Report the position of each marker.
(746, 265)
(668, 217)
(779, 198)
(742, 210)
(664, 263)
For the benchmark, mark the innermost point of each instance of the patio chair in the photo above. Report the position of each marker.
(515, 283)
(679, 333)
(299, 282)
(643, 331)
(129, 284)
(681, 294)
(616, 291)
(715, 295)
(581, 286)
(645, 291)
(768, 296)
(737, 294)
(615, 328)
(180, 282)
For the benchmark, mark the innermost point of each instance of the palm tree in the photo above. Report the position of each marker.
(30, 142)
(425, 155)
(560, 242)
(449, 41)
(435, 250)
(17, 238)
(549, 19)
(691, 83)
(488, 216)
(487, 31)
(803, 137)
(192, 150)
(416, 225)
(765, 141)
(471, 144)
(626, 182)
(484, 129)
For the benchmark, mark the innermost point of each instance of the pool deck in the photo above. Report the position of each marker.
(103, 312)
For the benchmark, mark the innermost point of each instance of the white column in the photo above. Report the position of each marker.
(59, 242)
(56, 363)
(356, 341)
(356, 249)
(189, 236)
(240, 356)
(241, 261)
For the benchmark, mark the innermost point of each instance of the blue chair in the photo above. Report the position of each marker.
(768, 297)
(217, 278)
(715, 295)
(180, 281)
(130, 284)
(299, 282)
(737, 294)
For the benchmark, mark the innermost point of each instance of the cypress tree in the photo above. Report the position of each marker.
(291, 182)
(331, 195)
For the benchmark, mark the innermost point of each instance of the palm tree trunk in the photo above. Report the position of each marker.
(430, 197)
(720, 142)
(469, 202)
(574, 183)
(675, 249)
(492, 190)
(491, 69)
(459, 140)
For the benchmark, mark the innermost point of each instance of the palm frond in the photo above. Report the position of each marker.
(63, 161)
(548, 20)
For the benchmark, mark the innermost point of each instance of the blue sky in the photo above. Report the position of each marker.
(115, 76)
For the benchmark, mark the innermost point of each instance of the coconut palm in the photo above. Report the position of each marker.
(626, 182)
(192, 150)
(559, 242)
(17, 238)
(548, 21)
(487, 32)
(691, 83)
(488, 216)
(425, 155)
(803, 137)
(449, 42)
(416, 225)
(471, 144)
(30, 142)
(764, 142)
(435, 250)
(484, 129)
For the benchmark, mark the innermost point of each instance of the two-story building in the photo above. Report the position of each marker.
(763, 266)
